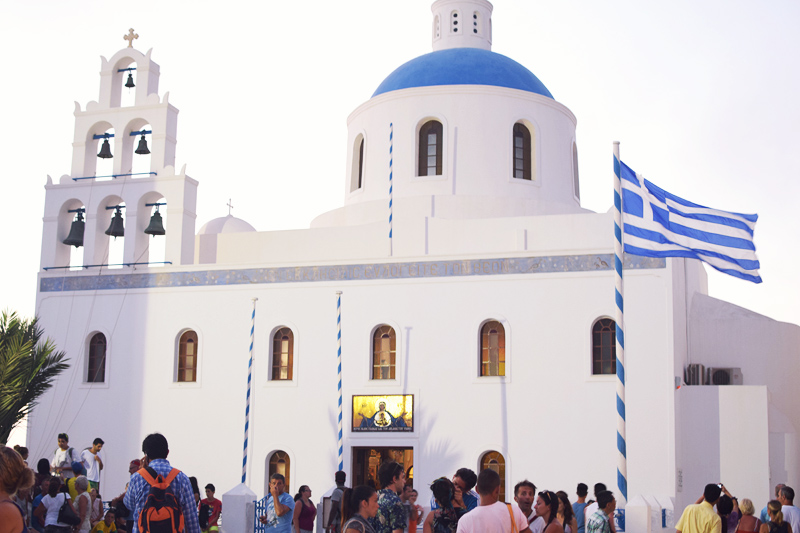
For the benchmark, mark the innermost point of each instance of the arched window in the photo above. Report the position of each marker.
(384, 345)
(282, 354)
(436, 30)
(522, 152)
(187, 357)
(493, 349)
(96, 372)
(430, 149)
(575, 180)
(496, 462)
(357, 177)
(454, 22)
(279, 464)
(604, 347)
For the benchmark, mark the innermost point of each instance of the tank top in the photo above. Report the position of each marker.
(775, 528)
(359, 524)
(22, 515)
(86, 525)
(742, 530)
(307, 515)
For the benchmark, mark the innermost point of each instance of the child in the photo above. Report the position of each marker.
(107, 525)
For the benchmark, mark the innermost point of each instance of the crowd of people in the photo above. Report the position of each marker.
(456, 508)
(62, 496)
(717, 510)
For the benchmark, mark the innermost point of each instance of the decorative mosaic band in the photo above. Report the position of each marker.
(359, 272)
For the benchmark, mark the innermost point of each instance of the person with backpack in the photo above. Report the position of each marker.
(335, 517)
(63, 457)
(160, 496)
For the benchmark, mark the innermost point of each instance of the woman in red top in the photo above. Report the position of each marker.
(748, 523)
(304, 511)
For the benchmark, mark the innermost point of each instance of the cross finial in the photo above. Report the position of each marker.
(230, 206)
(130, 37)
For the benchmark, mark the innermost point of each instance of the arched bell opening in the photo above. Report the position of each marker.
(124, 83)
(106, 145)
(98, 157)
(137, 144)
(70, 234)
(110, 232)
(151, 228)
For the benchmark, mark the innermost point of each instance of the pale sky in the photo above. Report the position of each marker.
(703, 97)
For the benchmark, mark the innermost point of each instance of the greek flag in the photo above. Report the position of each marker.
(659, 224)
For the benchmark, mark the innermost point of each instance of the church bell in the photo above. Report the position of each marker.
(129, 84)
(75, 237)
(156, 226)
(117, 227)
(142, 149)
(105, 150)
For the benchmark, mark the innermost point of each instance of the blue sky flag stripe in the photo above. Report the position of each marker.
(657, 223)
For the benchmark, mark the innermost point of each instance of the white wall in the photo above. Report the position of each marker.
(723, 438)
(530, 416)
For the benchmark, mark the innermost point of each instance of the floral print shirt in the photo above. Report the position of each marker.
(391, 514)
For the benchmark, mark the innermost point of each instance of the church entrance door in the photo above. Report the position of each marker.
(367, 460)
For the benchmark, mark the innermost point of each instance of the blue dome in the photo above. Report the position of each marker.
(462, 66)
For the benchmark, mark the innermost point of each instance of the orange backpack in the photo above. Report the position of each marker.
(162, 510)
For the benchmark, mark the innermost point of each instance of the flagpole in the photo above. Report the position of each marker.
(391, 141)
(249, 381)
(622, 457)
(340, 441)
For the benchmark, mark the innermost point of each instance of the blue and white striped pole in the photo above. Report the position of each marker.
(249, 381)
(391, 141)
(339, 363)
(622, 457)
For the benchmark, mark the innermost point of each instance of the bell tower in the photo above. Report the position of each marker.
(122, 129)
(462, 24)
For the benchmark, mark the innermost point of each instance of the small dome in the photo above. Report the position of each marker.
(228, 224)
(462, 66)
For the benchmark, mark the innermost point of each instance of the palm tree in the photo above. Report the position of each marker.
(28, 367)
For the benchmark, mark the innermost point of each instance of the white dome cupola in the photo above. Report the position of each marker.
(462, 24)
(474, 135)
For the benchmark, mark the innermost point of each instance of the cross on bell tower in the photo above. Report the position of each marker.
(130, 37)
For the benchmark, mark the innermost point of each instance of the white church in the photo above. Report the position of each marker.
(476, 306)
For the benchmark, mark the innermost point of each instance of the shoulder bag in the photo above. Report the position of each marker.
(66, 515)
